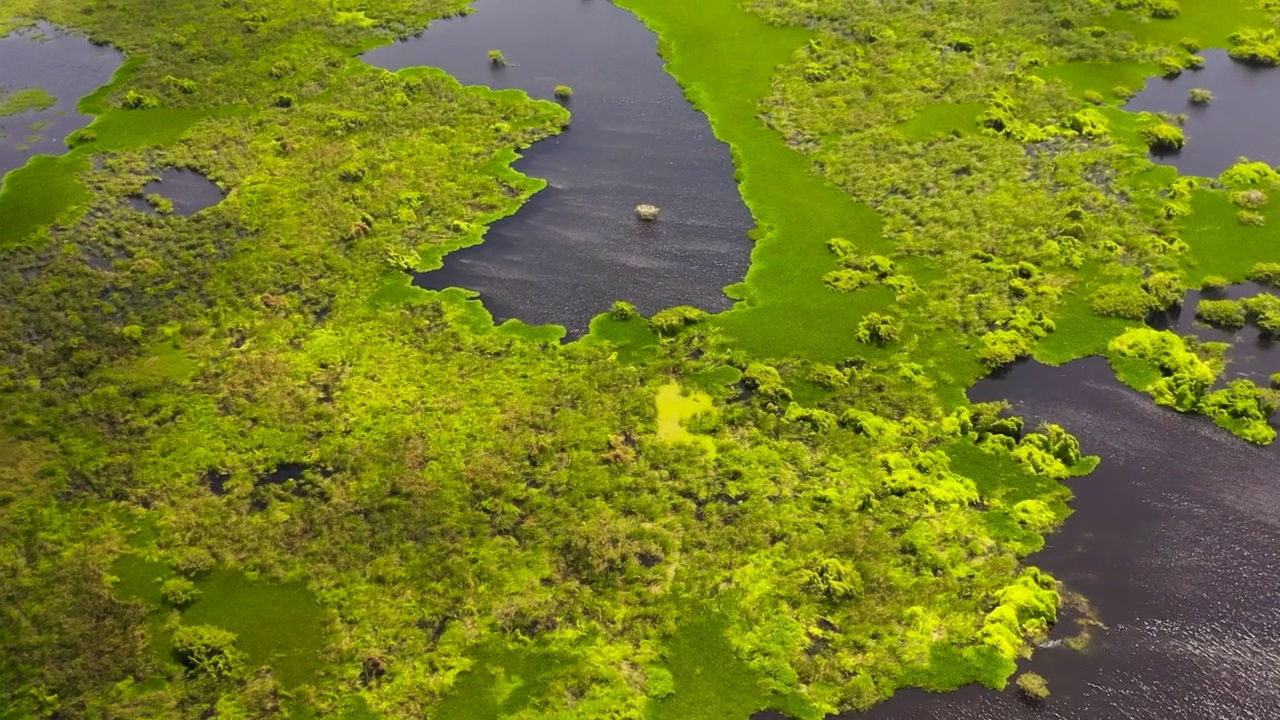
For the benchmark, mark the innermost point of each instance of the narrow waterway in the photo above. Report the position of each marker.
(577, 246)
(65, 66)
(1176, 542)
(1239, 121)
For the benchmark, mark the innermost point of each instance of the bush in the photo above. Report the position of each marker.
(622, 311)
(1122, 91)
(1248, 218)
(673, 320)
(186, 86)
(1251, 199)
(284, 100)
(1002, 347)
(1275, 381)
(647, 212)
(1088, 122)
(564, 92)
(83, 136)
(1229, 314)
(497, 59)
(1121, 301)
(179, 592)
(766, 381)
(847, 280)
(1200, 96)
(207, 649)
(879, 329)
(1164, 290)
(1033, 686)
(1214, 282)
(134, 100)
(1267, 273)
(1093, 97)
(191, 561)
(1163, 136)
(353, 172)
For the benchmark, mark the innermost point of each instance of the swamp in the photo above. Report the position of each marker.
(639, 359)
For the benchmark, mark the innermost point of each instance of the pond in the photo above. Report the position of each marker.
(1175, 541)
(63, 68)
(1238, 121)
(186, 190)
(577, 246)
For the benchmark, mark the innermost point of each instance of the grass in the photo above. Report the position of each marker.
(1208, 21)
(1219, 244)
(26, 100)
(277, 624)
(942, 119)
(502, 682)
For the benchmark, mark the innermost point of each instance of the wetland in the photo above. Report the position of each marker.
(923, 389)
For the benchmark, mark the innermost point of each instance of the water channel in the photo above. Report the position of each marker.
(189, 191)
(577, 246)
(66, 66)
(1239, 121)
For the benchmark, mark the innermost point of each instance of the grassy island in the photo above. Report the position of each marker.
(249, 471)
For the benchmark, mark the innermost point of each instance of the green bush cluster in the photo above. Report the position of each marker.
(1163, 136)
(1256, 46)
(673, 320)
(208, 650)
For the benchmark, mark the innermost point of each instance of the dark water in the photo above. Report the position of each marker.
(1176, 542)
(67, 67)
(1251, 355)
(1240, 121)
(189, 191)
(577, 245)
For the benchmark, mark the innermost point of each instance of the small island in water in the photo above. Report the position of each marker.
(642, 359)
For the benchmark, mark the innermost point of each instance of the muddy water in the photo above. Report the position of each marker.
(189, 191)
(577, 245)
(68, 67)
(1175, 540)
(1240, 121)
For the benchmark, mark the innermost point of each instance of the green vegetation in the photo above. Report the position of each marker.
(26, 100)
(563, 92)
(252, 472)
(1033, 686)
(1200, 96)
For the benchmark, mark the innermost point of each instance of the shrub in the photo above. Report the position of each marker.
(673, 320)
(1249, 218)
(1088, 122)
(847, 280)
(1244, 173)
(134, 100)
(1266, 273)
(280, 69)
(1191, 45)
(162, 205)
(622, 311)
(1275, 381)
(1122, 91)
(766, 381)
(186, 86)
(1002, 347)
(284, 100)
(1164, 290)
(1163, 136)
(191, 561)
(879, 329)
(1214, 282)
(564, 92)
(1230, 314)
(1033, 686)
(179, 592)
(1200, 96)
(353, 172)
(1121, 301)
(1251, 199)
(208, 649)
(497, 59)
(1093, 97)
(1256, 46)
(647, 212)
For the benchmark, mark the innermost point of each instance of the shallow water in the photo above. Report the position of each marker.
(67, 67)
(1240, 121)
(577, 246)
(189, 191)
(1176, 542)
